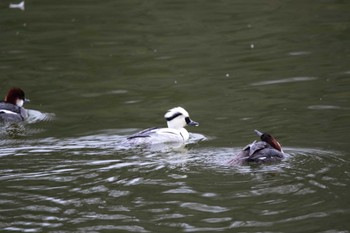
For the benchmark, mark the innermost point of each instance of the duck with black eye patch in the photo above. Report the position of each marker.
(11, 108)
(177, 119)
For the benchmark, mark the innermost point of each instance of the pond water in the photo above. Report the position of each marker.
(97, 71)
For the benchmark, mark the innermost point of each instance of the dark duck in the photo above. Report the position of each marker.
(268, 150)
(11, 108)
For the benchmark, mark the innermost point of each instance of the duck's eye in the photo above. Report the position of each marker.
(188, 120)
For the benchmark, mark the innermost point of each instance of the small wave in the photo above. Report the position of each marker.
(204, 208)
(299, 53)
(323, 107)
(287, 80)
(97, 94)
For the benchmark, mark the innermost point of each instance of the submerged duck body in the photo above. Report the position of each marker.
(268, 150)
(177, 119)
(11, 108)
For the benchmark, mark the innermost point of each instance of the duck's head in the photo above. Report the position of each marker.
(269, 139)
(178, 118)
(16, 96)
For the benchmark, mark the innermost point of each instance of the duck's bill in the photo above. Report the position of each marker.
(190, 122)
(193, 123)
(26, 100)
(258, 133)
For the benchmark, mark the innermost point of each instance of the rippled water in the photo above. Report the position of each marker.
(89, 184)
(98, 71)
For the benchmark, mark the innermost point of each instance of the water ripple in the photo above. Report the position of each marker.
(187, 190)
(286, 80)
(203, 207)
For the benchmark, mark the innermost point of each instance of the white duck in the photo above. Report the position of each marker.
(177, 118)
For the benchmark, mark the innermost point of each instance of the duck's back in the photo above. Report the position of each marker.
(257, 152)
(263, 152)
(12, 113)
